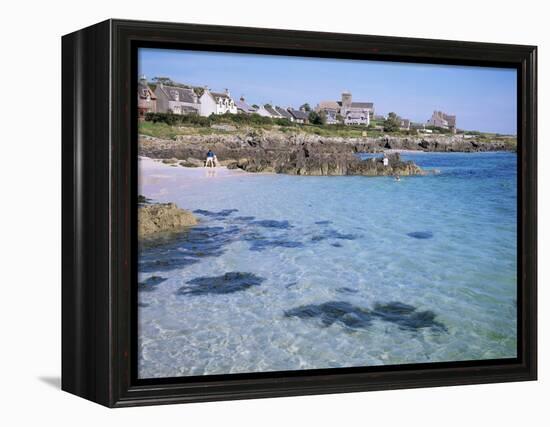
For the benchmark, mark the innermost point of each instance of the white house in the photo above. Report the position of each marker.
(216, 103)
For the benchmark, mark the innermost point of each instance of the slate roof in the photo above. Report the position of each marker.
(362, 105)
(185, 95)
(241, 105)
(144, 90)
(335, 105)
(220, 95)
(299, 115)
(283, 113)
(330, 105)
(272, 110)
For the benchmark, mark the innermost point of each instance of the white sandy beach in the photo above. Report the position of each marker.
(157, 178)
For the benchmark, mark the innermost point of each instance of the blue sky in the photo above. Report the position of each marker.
(482, 98)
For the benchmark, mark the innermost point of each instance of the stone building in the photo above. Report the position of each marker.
(176, 99)
(351, 112)
(443, 120)
(147, 100)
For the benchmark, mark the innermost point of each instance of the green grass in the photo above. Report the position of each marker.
(158, 130)
(164, 131)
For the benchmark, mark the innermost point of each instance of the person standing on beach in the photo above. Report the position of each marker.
(209, 159)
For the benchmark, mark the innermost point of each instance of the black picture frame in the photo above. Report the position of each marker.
(99, 212)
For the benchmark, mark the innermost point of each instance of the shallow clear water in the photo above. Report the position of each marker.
(336, 271)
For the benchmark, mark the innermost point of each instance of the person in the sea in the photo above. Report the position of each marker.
(397, 178)
(210, 159)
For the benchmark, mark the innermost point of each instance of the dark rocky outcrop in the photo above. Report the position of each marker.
(307, 154)
(307, 161)
(271, 153)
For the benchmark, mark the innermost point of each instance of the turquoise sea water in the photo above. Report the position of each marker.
(332, 271)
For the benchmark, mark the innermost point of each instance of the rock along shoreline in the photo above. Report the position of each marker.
(297, 154)
(157, 218)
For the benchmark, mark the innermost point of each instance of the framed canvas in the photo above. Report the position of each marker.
(257, 213)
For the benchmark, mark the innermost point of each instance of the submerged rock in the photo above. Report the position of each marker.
(150, 284)
(271, 223)
(186, 248)
(225, 284)
(245, 218)
(406, 316)
(259, 245)
(334, 311)
(163, 217)
(421, 234)
(217, 215)
(403, 315)
(346, 290)
(333, 234)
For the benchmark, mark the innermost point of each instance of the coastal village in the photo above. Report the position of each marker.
(166, 96)
(194, 126)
